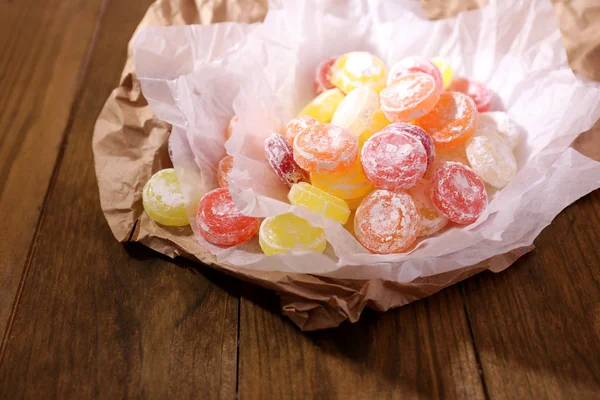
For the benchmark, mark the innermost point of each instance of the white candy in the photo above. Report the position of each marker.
(357, 110)
(500, 123)
(492, 159)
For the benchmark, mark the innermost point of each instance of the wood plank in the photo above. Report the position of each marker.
(536, 325)
(422, 350)
(99, 320)
(43, 51)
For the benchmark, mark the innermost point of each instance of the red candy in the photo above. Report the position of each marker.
(394, 159)
(420, 134)
(297, 125)
(323, 76)
(280, 155)
(480, 94)
(220, 222)
(458, 193)
(416, 64)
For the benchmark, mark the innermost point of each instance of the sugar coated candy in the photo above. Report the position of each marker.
(411, 96)
(457, 154)
(416, 64)
(378, 122)
(445, 69)
(452, 121)
(357, 110)
(286, 233)
(280, 155)
(356, 69)
(323, 76)
(387, 222)
(307, 196)
(348, 184)
(458, 193)
(394, 159)
(432, 221)
(220, 222)
(325, 149)
(492, 159)
(229, 129)
(480, 94)
(324, 105)
(502, 124)
(420, 134)
(163, 200)
(223, 169)
(297, 125)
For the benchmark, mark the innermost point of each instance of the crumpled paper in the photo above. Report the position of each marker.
(217, 72)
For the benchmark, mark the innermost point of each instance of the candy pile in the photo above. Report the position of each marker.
(410, 151)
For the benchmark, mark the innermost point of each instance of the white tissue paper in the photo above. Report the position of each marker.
(198, 77)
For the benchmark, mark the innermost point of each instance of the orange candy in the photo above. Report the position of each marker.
(325, 149)
(453, 120)
(297, 125)
(409, 97)
(223, 169)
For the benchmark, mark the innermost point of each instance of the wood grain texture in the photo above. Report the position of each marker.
(423, 350)
(43, 53)
(536, 325)
(99, 320)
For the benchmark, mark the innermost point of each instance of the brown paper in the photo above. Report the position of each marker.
(130, 144)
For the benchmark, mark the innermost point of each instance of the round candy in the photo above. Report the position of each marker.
(323, 76)
(432, 221)
(220, 222)
(357, 110)
(457, 154)
(445, 69)
(452, 121)
(377, 124)
(411, 96)
(357, 69)
(393, 159)
(280, 155)
(163, 200)
(324, 105)
(305, 195)
(416, 64)
(458, 193)
(229, 129)
(500, 122)
(480, 94)
(348, 184)
(286, 233)
(297, 125)
(492, 159)
(223, 169)
(418, 133)
(387, 222)
(325, 149)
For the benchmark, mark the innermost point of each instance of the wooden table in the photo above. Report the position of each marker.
(83, 316)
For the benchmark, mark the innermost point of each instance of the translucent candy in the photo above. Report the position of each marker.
(220, 222)
(229, 129)
(323, 76)
(500, 122)
(377, 124)
(393, 159)
(445, 69)
(286, 233)
(432, 221)
(411, 96)
(416, 64)
(452, 121)
(480, 94)
(223, 169)
(492, 159)
(280, 155)
(354, 203)
(357, 69)
(458, 193)
(307, 196)
(297, 125)
(323, 106)
(418, 133)
(325, 149)
(348, 184)
(357, 110)
(387, 222)
(163, 200)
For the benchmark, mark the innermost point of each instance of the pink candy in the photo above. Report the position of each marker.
(480, 94)
(417, 132)
(323, 76)
(280, 155)
(416, 64)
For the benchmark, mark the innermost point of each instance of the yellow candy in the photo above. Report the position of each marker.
(348, 184)
(357, 110)
(354, 203)
(357, 69)
(286, 233)
(163, 200)
(445, 70)
(305, 195)
(377, 124)
(324, 105)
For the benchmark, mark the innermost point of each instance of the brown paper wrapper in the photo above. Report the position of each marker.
(130, 144)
